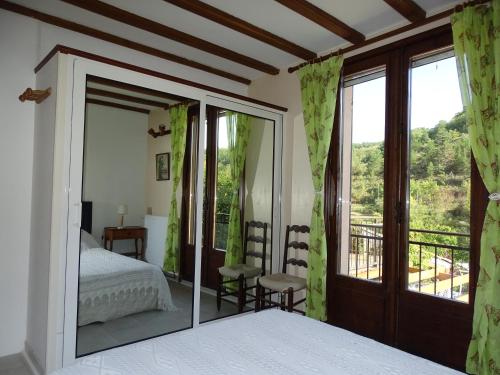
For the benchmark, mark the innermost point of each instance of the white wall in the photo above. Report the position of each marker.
(24, 42)
(298, 192)
(115, 167)
(18, 46)
(158, 193)
(259, 177)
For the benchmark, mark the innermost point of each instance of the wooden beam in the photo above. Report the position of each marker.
(131, 19)
(216, 15)
(375, 39)
(134, 88)
(73, 26)
(116, 105)
(324, 19)
(129, 98)
(408, 9)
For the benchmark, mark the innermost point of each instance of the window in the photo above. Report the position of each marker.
(223, 185)
(439, 180)
(362, 183)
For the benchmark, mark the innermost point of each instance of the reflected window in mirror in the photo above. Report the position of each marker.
(237, 211)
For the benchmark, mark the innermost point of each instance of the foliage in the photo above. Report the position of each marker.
(223, 198)
(439, 186)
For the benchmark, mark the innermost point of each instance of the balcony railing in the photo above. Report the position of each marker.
(221, 230)
(438, 262)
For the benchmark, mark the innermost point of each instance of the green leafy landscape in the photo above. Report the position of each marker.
(439, 185)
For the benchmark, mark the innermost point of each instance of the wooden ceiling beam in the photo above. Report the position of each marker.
(134, 88)
(408, 9)
(131, 19)
(218, 16)
(116, 105)
(76, 27)
(324, 19)
(128, 98)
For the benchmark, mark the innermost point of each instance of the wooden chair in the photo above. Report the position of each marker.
(283, 283)
(241, 272)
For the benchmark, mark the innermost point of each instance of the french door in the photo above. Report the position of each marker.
(215, 201)
(403, 231)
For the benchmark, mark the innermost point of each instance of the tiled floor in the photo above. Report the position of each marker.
(99, 336)
(14, 365)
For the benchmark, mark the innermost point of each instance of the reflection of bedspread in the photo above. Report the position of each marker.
(270, 342)
(113, 285)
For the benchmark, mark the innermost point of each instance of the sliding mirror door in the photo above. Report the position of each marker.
(138, 144)
(237, 211)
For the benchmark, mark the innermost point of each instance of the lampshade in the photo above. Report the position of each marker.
(122, 209)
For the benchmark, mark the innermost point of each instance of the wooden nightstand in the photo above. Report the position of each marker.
(126, 233)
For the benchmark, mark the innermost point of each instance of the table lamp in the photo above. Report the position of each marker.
(122, 211)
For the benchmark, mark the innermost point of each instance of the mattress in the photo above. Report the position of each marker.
(268, 342)
(113, 286)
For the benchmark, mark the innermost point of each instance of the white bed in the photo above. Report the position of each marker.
(113, 285)
(268, 342)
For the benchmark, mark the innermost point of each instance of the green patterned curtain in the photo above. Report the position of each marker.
(476, 37)
(238, 131)
(178, 126)
(319, 84)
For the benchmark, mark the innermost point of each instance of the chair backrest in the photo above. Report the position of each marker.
(295, 245)
(256, 225)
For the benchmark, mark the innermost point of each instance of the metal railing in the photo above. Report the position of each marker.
(438, 261)
(221, 229)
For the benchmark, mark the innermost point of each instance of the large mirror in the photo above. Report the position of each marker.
(138, 210)
(237, 211)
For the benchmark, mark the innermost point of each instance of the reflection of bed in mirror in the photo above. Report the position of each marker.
(114, 285)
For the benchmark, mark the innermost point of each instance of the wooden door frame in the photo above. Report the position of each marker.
(379, 291)
(187, 260)
(395, 185)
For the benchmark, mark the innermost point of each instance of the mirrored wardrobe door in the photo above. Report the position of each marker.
(137, 233)
(237, 211)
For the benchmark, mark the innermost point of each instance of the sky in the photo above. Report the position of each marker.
(435, 96)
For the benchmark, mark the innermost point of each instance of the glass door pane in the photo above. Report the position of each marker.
(362, 175)
(254, 190)
(125, 293)
(439, 181)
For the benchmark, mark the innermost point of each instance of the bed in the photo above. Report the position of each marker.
(112, 285)
(268, 342)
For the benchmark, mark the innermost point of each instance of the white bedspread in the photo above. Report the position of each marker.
(269, 342)
(113, 285)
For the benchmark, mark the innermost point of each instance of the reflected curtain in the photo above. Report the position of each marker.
(238, 132)
(476, 38)
(178, 127)
(319, 84)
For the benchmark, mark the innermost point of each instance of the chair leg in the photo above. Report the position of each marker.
(290, 299)
(241, 294)
(257, 296)
(220, 279)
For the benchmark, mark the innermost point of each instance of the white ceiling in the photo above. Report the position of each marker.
(370, 17)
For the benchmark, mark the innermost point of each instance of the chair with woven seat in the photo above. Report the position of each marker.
(240, 273)
(283, 283)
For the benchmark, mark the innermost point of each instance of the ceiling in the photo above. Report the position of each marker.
(369, 17)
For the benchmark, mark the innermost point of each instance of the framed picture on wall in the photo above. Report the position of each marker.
(163, 166)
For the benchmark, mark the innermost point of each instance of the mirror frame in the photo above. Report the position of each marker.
(76, 70)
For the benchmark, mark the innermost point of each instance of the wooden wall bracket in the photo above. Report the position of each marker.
(37, 96)
(162, 131)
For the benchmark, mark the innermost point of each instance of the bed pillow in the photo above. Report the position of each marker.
(87, 241)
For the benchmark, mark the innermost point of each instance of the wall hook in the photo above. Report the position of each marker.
(37, 96)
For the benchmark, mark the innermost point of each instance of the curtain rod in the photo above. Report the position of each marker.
(389, 34)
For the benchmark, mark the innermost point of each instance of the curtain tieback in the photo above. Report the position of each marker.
(320, 192)
(494, 197)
